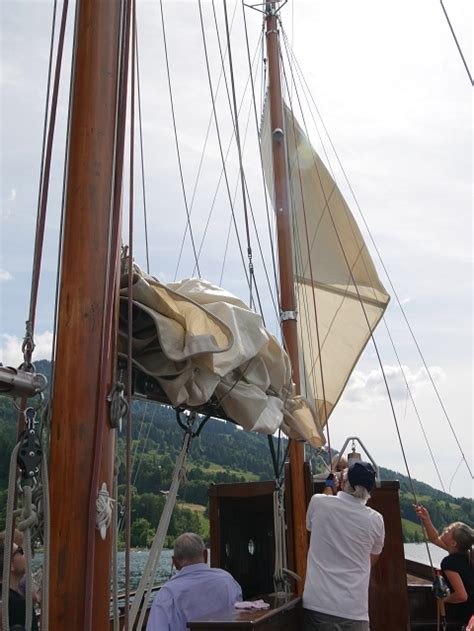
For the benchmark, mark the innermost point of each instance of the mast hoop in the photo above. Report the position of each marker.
(288, 315)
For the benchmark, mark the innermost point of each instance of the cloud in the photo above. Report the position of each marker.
(367, 387)
(5, 275)
(10, 348)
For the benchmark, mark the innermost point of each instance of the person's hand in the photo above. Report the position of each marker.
(421, 511)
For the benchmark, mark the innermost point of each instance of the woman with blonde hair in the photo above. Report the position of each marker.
(457, 567)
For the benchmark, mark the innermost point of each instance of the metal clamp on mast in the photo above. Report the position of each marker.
(19, 384)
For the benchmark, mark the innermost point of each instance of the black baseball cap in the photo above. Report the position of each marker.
(361, 474)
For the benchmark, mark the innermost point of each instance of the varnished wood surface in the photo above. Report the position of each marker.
(388, 598)
(284, 610)
(79, 559)
(287, 288)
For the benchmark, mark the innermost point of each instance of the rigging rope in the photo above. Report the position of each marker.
(43, 189)
(46, 542)
(239, 151)
(309, 262)
(175, 131)
(128, 462)
(142, 595)
(349, 268)
(457, 43)
(142, 153)
(414, 404)
(9, 528)
(216, 122)
(265, 192)
(114, 569)
(201, 160)
(45, 168)
(392, 287)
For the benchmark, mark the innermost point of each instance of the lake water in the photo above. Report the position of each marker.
(138, 559)
(417, 552)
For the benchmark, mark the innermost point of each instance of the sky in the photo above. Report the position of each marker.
(396, 100)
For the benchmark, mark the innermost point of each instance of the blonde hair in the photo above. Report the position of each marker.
(463, 535)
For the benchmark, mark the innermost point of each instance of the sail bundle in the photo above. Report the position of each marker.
(201, 344)
(339, 294)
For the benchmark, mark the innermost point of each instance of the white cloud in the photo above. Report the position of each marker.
(5, 275)
(367, 387)
(10, 348)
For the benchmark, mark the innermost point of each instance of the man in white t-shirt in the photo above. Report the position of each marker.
(346, 539)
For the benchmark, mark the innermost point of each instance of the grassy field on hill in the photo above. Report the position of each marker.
(222, 453)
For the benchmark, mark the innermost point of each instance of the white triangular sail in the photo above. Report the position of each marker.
(339, 294)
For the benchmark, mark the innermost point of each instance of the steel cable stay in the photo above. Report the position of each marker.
(45, 170)
(457, 43)
(308, 357)
(142, 595)
(410, 394)
(219, 139)
(175, 131)
(327, 205)
(297, 92)
(309, 249)
(201, 160)
(142, 152)
(241, 167)
(424, 533)
(129, 266)
(385, 269)
(267, 205)
(315, 311)
(225, 161)
(34, 511)
(221, 175)
(222, 397)
(372, 336)
(224, 170)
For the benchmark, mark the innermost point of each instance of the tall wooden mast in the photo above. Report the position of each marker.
(82, 452)
(287, 292)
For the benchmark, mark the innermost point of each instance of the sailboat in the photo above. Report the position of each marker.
(325, 271)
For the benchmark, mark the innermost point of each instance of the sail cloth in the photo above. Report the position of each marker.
(200, 343)
(339, 295)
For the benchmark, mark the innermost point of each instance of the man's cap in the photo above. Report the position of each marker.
(361, 474)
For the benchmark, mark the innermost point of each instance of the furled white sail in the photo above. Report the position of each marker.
(340, 297)
(200, 342)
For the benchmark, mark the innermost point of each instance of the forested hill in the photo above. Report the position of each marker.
(221, 453)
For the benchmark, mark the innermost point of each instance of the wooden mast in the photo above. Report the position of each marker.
(287, 292)
(82, 441)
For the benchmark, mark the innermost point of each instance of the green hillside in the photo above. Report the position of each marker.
(222, 453)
